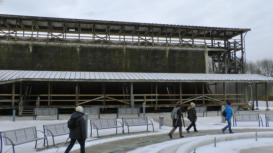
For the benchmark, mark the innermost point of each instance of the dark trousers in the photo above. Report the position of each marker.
(72, 142)
(192, 124)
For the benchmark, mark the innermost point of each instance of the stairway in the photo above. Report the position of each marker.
(28, 112)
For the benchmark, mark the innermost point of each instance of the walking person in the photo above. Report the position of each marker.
(77, 127)
(228, 116)
(176, 116)
(192, 117)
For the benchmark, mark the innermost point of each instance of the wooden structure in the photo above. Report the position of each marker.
(26, 90)
(110, 90)
(225, 46)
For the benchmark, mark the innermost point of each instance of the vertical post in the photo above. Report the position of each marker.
(13, 96)
(21, 107)
(49, 94)
(13, 114)
(77, 94)
(1, 143)
(132, 95)
(203, 93)
(266, 95)
(103, 92)
(145, 101)
(256, 94)
(242, 54)
(251, 96)
(144, 107)
(156, 96)
(38, 102)
(224, 90)
(180, 92)
(236, 92)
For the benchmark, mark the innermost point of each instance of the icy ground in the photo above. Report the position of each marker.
(212, 122)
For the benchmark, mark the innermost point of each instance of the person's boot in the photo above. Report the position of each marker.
(170, 135)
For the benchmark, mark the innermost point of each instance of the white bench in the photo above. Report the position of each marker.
(141, 121)
(202, 109)
(22, 136)
(268, 118)
(54, 130)
(128, 111)
(100, 124)
(45, 112)
(247, 117)
(92, 111)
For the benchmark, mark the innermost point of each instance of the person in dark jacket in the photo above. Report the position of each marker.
(192, 117)
(177, 121)
(228, 117)
(79, 131)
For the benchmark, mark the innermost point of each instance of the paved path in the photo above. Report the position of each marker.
(259, 150)
(125, 145)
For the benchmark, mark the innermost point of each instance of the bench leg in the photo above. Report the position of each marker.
(97, 133)
(35, 144)
(13, 150)
(53, 140)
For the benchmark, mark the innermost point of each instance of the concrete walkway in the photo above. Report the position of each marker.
(125, 145)
(258, 150)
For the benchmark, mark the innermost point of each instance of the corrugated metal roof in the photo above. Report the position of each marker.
(20, 75)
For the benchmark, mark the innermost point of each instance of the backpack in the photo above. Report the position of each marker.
(224, 113)
(72, 123)
(174, 113)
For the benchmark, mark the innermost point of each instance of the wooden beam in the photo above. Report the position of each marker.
(132, 95)
(49, 94)
(77, 94)
(13, 96)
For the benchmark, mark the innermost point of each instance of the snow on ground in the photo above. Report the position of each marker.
(212, 122)
(262, 105)
(236, 146)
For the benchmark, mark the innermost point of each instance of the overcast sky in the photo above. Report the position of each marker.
(254, 14)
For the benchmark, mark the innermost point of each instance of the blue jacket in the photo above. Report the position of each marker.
(228, 112)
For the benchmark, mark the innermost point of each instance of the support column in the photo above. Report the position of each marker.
(77, 94)
(156, 96)
(103, 92)
(13, 96)
(256, 94)
(49, 94)
(203, 94)
(180, 92)
(132, 95)
(236, 92)
(21, 106)
(38, 102)
(224, 90)
(266, 95)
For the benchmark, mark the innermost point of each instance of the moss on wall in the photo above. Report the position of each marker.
(74, 58)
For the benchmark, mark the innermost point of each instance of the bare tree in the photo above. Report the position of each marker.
(264, 67)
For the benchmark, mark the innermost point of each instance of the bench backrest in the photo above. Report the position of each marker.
(104, 123)
(269, 117)
(235, 108)
(127, 111)
(135, 121)
(56, 129)
(45, 111)
(247, 117)
(92, 110)
(19, 136)
(200, 109)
